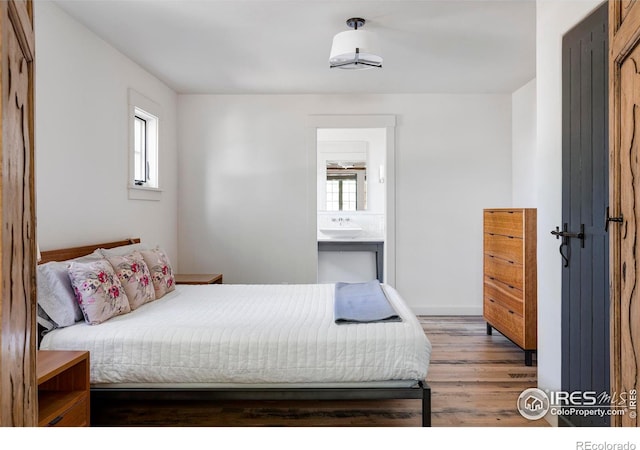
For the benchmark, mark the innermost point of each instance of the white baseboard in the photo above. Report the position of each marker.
(447, 310)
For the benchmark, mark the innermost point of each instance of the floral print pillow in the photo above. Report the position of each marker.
(98, 291)
(161, 272)
(134, 275)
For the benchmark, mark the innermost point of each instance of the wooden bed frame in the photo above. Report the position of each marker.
(101, 396)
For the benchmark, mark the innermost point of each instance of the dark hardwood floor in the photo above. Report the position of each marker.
(475, 381)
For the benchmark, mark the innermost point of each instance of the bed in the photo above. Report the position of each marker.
(251, 342)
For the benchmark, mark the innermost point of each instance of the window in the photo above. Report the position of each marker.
(145, 149)
(144, 119)
(140, 151)
(341, 193)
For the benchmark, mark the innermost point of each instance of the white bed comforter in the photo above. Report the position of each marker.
(248, 334)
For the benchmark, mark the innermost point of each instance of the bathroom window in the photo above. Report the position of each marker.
(342, 193)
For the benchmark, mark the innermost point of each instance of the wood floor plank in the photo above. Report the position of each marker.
(475, 381)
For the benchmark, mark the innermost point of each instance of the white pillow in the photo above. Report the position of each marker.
(44, 320)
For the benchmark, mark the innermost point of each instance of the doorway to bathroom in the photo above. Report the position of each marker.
(355, 198)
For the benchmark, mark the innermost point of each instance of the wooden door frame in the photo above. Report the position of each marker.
(624, 36)
(18, 399)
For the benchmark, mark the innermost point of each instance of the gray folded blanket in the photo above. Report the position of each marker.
(363, 303)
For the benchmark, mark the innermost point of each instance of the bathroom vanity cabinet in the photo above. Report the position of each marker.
(377, 247)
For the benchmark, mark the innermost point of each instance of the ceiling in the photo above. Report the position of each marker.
(282, 46)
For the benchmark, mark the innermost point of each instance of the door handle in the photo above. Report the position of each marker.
(608, 219)
(565, 234)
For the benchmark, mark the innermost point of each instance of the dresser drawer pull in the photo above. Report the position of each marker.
(492, 300)
(511, 312)
(56, 420)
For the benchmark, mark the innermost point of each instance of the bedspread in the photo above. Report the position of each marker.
(248, 334)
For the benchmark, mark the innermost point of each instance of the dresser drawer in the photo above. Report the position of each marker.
(507, 223)
(505, 247)
(507, 322)
(75, 416)
(507, 272)
(509, 297)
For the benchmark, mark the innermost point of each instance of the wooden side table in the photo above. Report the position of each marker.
(198, 278)
(63, 388)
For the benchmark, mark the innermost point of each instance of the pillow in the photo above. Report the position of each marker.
(161, 272)
(57, 304)
(98, 291)
(123, 250)
(44, 321)
(95, 256)
(134, 275)
(55, 294)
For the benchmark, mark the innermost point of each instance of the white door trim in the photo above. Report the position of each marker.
(387, 121)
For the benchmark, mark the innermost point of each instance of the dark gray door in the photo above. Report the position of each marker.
(585, 184)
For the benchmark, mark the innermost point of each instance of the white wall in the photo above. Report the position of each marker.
(81, 140)
(247, 209)
(553, 19)
(523, 137)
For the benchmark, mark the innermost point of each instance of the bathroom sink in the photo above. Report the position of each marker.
(342, 231)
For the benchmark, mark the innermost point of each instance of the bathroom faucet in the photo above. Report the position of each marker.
(340, 220)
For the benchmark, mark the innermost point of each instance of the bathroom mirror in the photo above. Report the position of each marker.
(346, 185)
(342, 176)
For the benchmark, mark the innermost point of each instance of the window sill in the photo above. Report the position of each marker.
(145, 193)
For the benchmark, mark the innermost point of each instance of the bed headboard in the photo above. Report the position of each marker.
(75, 252)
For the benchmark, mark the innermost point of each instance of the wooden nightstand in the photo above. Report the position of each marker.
(63, 388)
(198, 278)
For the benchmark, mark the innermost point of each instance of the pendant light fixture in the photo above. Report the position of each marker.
(353, 49)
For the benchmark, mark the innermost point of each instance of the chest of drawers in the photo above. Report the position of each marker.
(510, 291)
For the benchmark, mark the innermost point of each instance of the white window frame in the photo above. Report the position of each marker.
(140, 143)
(150, 111)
